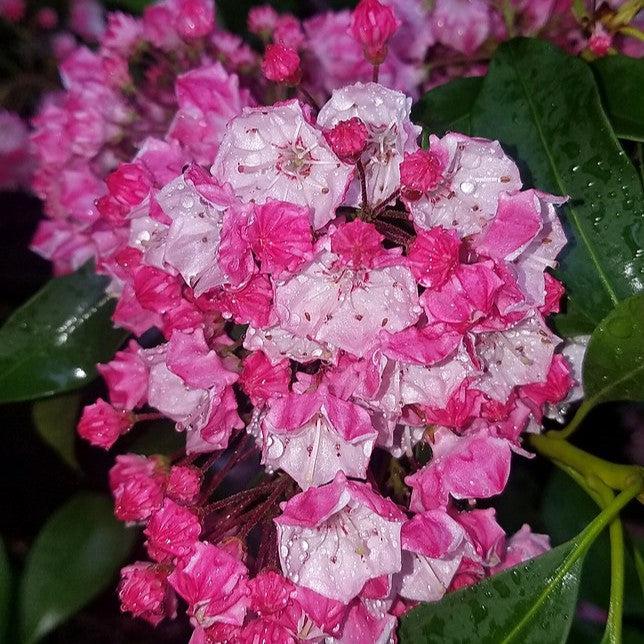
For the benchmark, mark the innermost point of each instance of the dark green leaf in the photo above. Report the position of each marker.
(53, 342)
(6, 584)
(544, 107)
(620, 80)
(55, 421)
(447, 108)
(614, 362)
(159, 438)
(531, 603)
(74, 558)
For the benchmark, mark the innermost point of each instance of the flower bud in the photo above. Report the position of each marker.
(262, 21)
(129, 184)
(600, 41)
(184, 483)
(144, 592)
(282, 65)
(196, 18)
(348, 139)
(101, 424)
(372, 26)
(421, 171)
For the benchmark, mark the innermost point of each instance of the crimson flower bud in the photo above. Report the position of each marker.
(282, 65)
(348, 139)
(101, 424)
(372, 26)
(421, 171)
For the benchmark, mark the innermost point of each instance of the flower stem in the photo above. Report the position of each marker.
(577, 419)
(616, 477)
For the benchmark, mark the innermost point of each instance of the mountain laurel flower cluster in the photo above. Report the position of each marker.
(354, 319)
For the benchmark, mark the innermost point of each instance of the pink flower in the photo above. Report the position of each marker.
(288, 32)
(522, 546)
(261, 380)
(137, 486)
(554, 389)
(335, 538)
(251, 304)
(273, 152)
(16, 153)
(184, 483)
(312, 437)
(468, 467)
(485, 535)
(432, 552)
(281, 65)
(385, 114)
(433, 256)
(172, 532)
(358, 245)
(208, 97)
(348, 309)
(129, 184)
(126, 377)
(372, 25)
(364, 625)
(214, 584)
(477, 172)
(461, 24)
(156, 290)
(190, 358)
(348, 139)
(87, 19)
(600, 41)
(101, 424)
(279, 234)
(144, 592)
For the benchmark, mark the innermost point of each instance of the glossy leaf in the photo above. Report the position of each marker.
(76, 556)
(620, 80)
(52, 343)
(448, 108)
(531, 603)
(55, 421)
(613, 366)
(544, 107)
(6, 585)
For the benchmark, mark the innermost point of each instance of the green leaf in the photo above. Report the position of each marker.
(544, 107)
(159, 438)
(620, 81)
(613, 366)
(74, 558)
(6, 585)
(530, 603)
(447, 108)
(566, 510)
(53, 342)
(55, 421)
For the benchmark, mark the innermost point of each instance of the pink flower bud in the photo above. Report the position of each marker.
(372, 26)
(184, 483)
(137, 486)
(348, 139)
(421, 171)
(12, 10)
(600, 41)
(144, 592)
(196, 18)
(47, 18)
(156, 290)
(172, 532)
(101, 424)
(262, 21)
(129, 184)
(111, 210)
(282, 65)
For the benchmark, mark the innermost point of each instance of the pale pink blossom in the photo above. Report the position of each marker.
(467, 467)
(214, 585)
(275, 153)
(461, 24)
(335, 538)
(313, 436)
(385, 114)
(432, 552)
